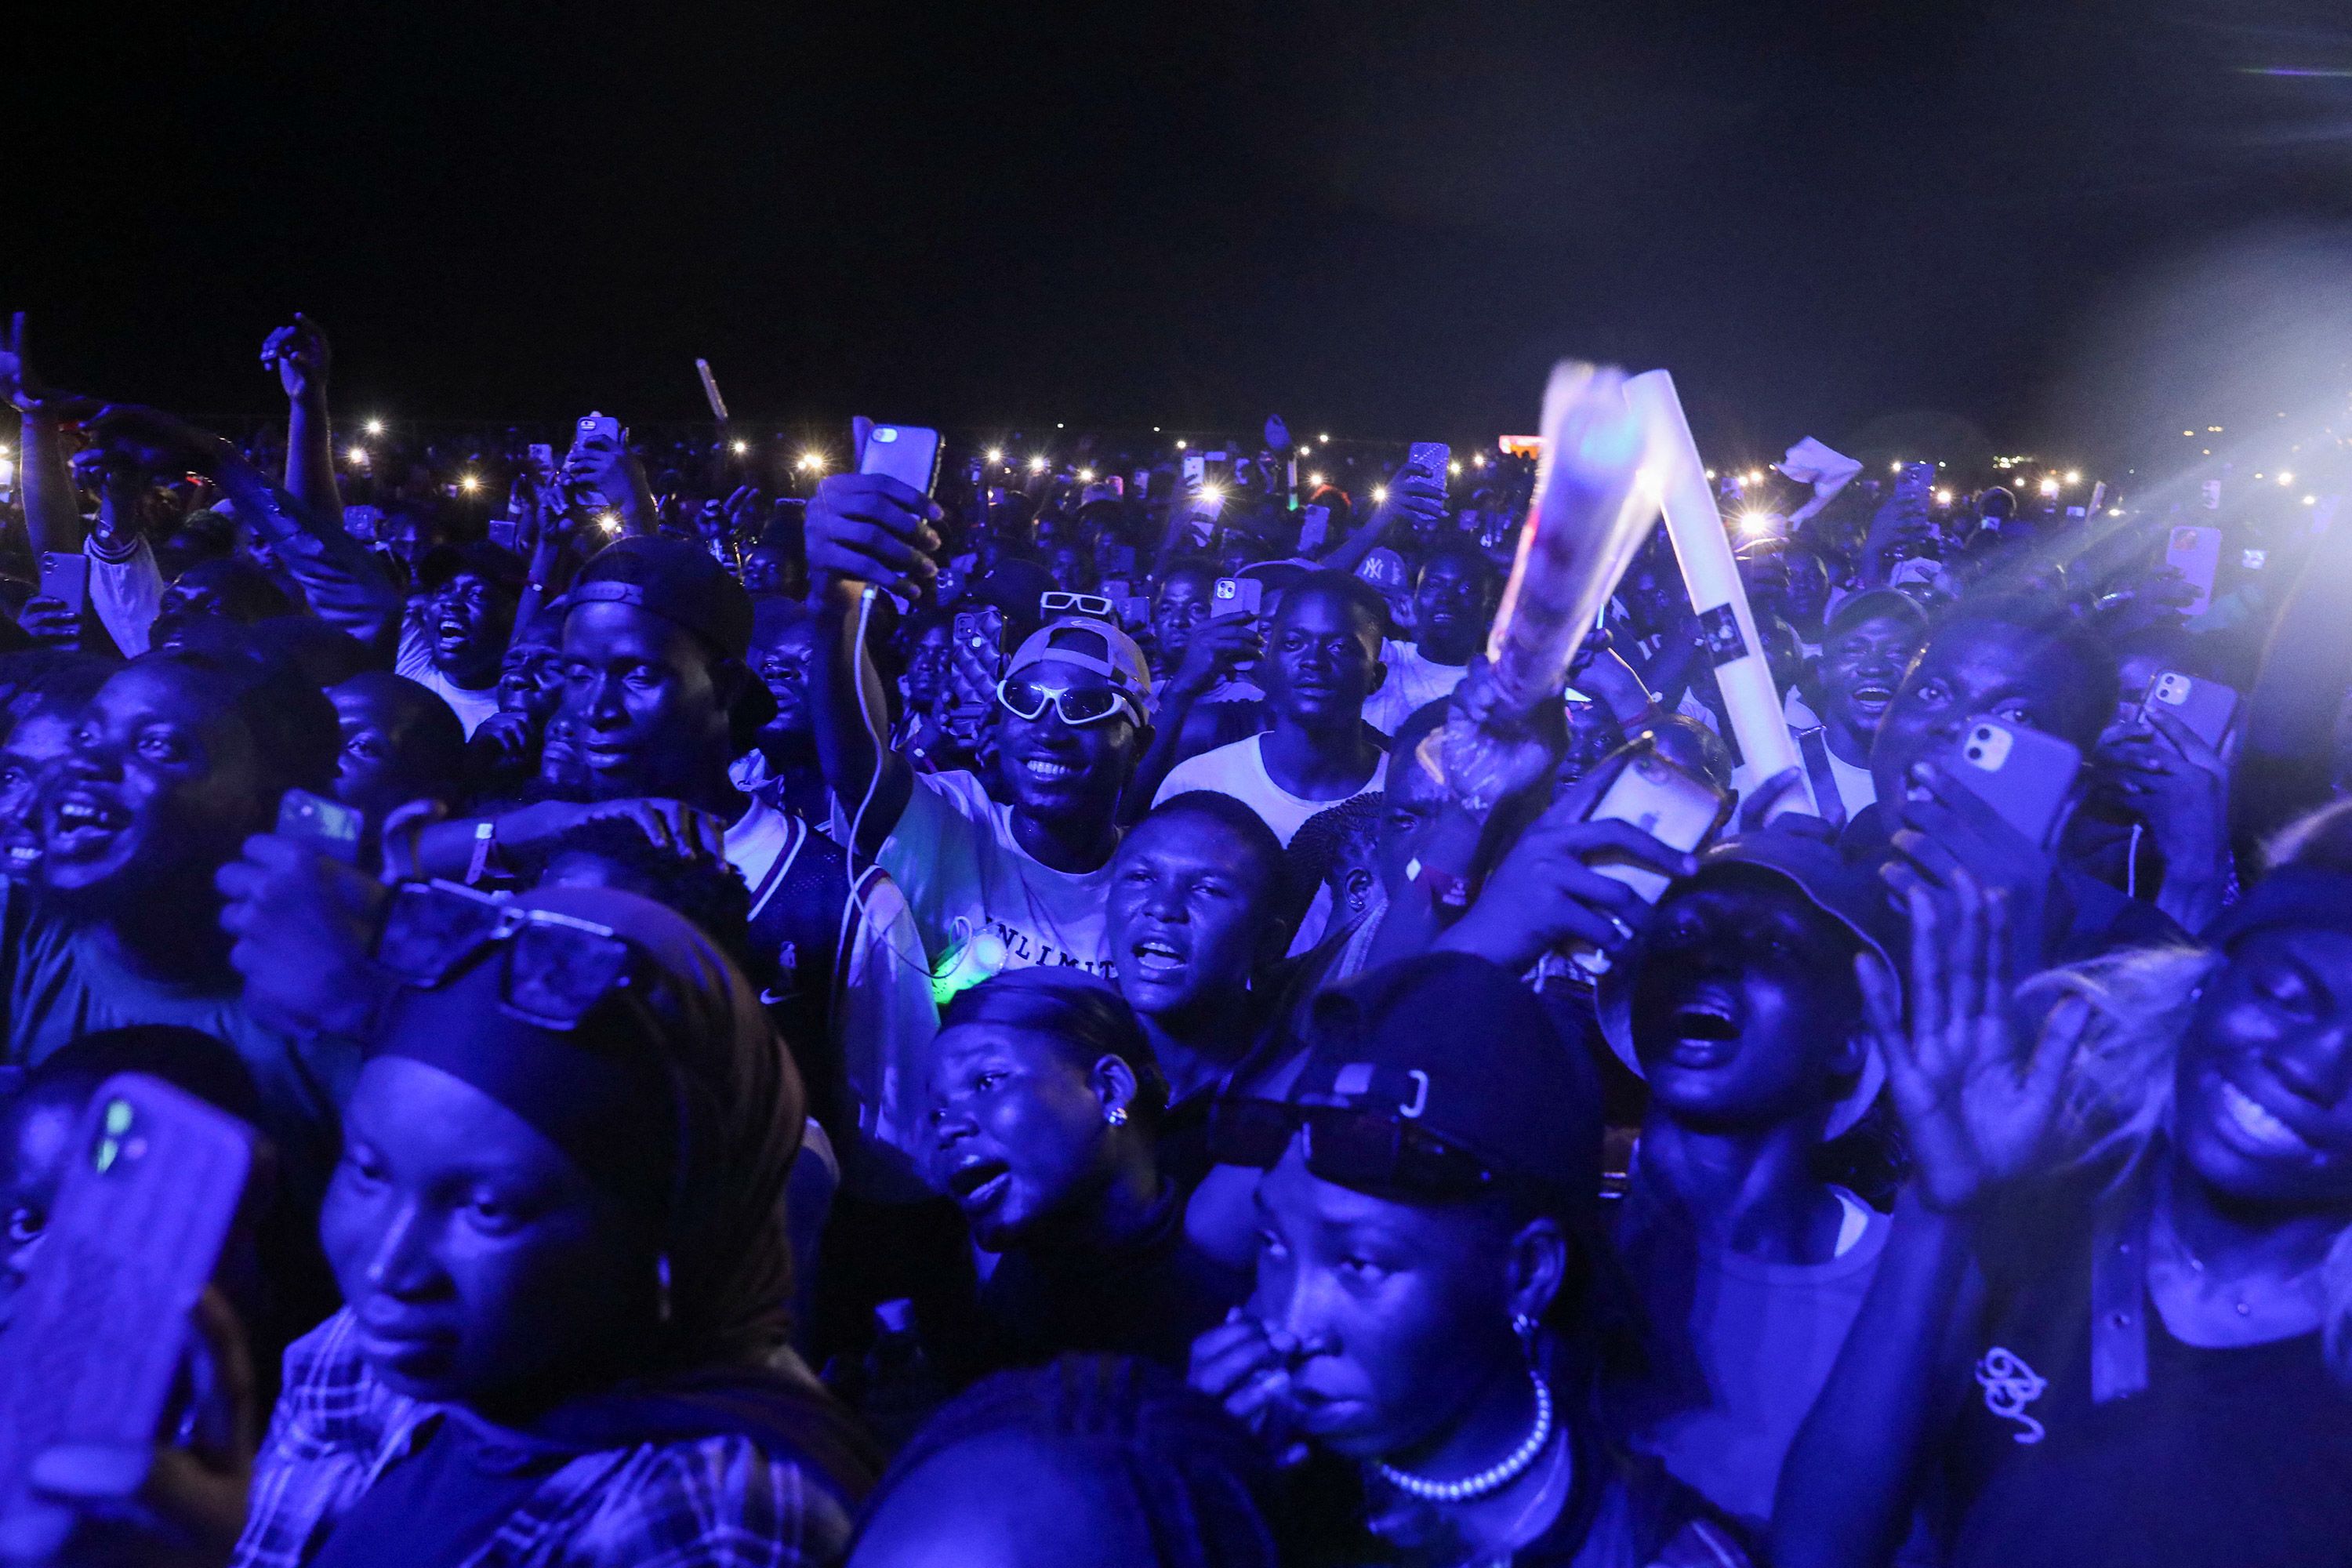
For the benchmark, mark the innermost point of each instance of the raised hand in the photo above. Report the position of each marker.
(1245, 1367)
(870, 528)
(299, 352)
(52, 623)
(303, 923)
(1978, 1110)
(1217, 644)
(1544, 895)
(160, 442)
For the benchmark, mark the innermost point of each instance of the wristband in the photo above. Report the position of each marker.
(486, 844)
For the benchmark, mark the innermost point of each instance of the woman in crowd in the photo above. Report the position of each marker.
(1434, 1303)
(555, 1229)
(2109, 1326)
(1045, 1107)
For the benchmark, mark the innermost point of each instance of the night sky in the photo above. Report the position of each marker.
(1381, 220)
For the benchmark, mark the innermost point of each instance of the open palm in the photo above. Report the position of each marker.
(1978, 1109)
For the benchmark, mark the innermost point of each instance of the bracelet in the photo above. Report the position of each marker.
(486, 844)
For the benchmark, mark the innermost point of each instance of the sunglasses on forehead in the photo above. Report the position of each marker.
(1056, 602)
(1365, 1150)
(555, 967)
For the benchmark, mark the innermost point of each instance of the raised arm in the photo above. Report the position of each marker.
(1412, 494)
(298, 353)
(52, 514)
(864, 531)
(346, 585)
(1978, 1107)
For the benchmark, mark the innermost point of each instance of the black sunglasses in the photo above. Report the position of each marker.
(556, 967)
(1364, 1150)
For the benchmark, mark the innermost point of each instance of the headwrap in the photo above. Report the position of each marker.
(736, 1115)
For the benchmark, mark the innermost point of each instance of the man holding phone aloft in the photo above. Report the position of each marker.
(1072, 719)
(1454, 600)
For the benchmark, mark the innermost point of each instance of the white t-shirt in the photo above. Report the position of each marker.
(1414, 682)
(415, 662)
(1239, 771)
(954, 858)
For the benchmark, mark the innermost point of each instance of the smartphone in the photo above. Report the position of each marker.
(907, 453)
(1918, 481)
(1195, 467)
(65, 575)
(1917, 569)
(1433, 458)
(2195, 554)
(2023, 775)
(1237, 596)
(1314, 528)
(94, 1341)
(980, 634)
(1678, 809)
(502, 533)
(1134, 611)
(2207, 706)
(594, 425)
(328, 824)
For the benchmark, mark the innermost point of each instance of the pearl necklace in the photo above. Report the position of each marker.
(1501, 1473)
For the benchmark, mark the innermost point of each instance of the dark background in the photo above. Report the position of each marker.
(1381, 220)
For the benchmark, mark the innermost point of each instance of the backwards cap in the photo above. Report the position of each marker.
(1091, 645)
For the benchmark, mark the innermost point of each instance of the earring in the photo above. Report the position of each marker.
(1116, 1115)
(661, 1279)
(1525, 1326)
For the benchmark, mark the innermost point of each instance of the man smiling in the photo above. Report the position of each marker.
(1073, 718)
(456, 646)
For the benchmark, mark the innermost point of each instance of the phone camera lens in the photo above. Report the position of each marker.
(1976, 754)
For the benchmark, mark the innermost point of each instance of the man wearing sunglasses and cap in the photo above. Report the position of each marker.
(1738, 1004)
(1073, 718)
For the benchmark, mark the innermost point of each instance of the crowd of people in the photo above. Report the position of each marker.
(1068, 1016)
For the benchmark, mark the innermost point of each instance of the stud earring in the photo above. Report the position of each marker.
(1116, 1115)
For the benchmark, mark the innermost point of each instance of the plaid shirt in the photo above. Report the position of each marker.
(716, 1502)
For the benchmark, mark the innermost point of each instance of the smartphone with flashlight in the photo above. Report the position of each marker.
(65, 577)
(2195, 554)
(907, 453)
(96, 1337)
(2207, 706)
(2023, 775)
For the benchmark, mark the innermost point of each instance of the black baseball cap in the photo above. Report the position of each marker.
(1456, 1046)
(672, 578)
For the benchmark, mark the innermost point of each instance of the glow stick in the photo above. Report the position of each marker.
(1762, 747)
(710, 391)
(1590, 510)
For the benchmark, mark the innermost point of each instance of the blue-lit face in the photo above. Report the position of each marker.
(2263, 1094)
(1018, 1137)
(483, 1267)
(1401, 1312)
